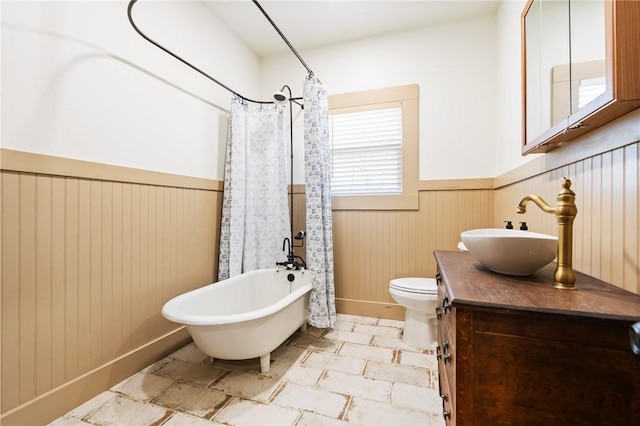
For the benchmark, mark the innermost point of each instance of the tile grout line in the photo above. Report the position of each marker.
(344, 416)
(223, 406)
(276, 392)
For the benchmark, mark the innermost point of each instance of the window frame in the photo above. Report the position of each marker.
(406, 97)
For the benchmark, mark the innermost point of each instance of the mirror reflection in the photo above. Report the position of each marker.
(565, 60)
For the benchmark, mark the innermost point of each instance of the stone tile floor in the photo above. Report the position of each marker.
(358, 373)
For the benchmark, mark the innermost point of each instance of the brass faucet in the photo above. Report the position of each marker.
(565, 212)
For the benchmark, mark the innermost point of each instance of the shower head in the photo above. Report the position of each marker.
(280, 97)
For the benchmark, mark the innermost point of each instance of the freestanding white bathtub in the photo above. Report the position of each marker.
(246, 316)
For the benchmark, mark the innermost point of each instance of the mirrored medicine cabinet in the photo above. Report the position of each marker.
(580, 67)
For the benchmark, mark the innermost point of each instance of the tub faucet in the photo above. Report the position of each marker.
(565, 212)
(293, 262)
(286, 243)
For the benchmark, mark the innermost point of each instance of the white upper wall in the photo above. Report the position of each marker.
(79, 82)
(455, 66)
(509, 84)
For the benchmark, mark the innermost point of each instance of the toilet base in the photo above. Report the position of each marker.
(419, 330)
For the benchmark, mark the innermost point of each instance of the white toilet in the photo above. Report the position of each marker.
(419, 297)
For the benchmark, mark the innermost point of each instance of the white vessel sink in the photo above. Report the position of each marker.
(510, 251)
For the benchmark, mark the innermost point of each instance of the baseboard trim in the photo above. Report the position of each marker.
(366, 308)
(55, 403)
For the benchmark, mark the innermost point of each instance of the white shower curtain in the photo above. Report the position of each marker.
(322, 306)
(255, 211)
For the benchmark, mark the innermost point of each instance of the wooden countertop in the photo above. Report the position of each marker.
(470, 283)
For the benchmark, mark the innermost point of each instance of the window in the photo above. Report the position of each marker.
(366, 150)
(374, 149)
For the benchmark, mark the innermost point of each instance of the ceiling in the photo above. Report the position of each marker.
(314, 23)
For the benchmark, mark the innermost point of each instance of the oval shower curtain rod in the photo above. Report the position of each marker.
(295, 52)
(224, 86)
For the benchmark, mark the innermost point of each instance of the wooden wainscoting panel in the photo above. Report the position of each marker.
(44, 326)
(27, 289)
(86, 267)
(631, 225)
(72, 282)
(365, 308)
(95, 275)
(10, 293)
(582, 224)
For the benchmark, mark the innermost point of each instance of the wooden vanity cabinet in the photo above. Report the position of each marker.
(515, 351)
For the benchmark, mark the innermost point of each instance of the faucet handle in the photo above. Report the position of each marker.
(509, 224)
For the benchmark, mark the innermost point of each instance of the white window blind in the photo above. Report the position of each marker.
(366, 149)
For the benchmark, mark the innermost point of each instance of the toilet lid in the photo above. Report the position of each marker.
(415, 285)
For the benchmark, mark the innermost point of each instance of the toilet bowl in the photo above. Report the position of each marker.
(419, 297)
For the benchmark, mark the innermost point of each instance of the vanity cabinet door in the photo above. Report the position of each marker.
(581, 67)
(549, 369)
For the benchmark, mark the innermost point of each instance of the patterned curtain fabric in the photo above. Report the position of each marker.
(322, 305)
(255, 210)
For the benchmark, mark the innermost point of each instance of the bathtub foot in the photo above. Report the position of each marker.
(303, 327)
(265, 363)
